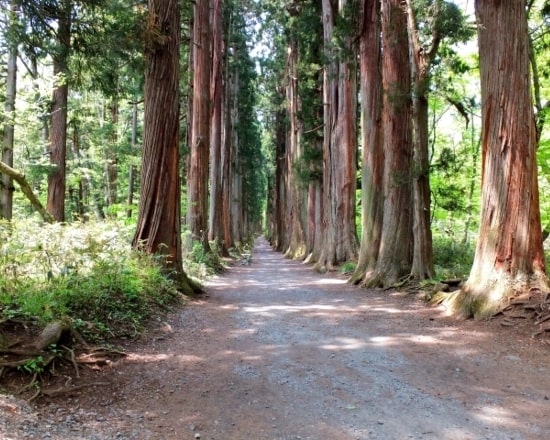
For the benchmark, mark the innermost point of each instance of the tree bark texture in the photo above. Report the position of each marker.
(132, 171)
(6, 183)
(215, 229)
(394, 258)
(279, 194)
(197, 179)
(58, 131)
(159, 219)
(372, 169)
(339, 148)
(509, 254)
(226, 159)
(111, 159)
(421, 61)
(235, 207)
(295, 225)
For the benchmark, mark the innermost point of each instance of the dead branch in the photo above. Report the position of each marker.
(19, 177)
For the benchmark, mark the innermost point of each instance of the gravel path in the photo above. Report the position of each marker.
(277, 351)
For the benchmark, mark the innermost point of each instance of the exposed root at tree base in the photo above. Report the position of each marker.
(50, 355)
(531, 307)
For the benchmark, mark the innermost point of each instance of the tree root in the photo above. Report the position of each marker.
(38, 355)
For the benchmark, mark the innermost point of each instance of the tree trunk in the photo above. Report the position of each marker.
(339, 149)
(421, 61)
(132, 171)
(6, 184)
(197, 179)
(372, 169)
(58, 131)
(216, 135)
(237, 220)
(111, 159)
(159, 219)
(509, 255)
(297, 197)
(226, 180)
(394, 258)
(279, 195)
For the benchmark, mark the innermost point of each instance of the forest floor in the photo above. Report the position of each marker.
(275, 350)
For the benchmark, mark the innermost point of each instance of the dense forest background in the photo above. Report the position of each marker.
(354, 134)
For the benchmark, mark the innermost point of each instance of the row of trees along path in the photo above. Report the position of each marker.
(316, 221)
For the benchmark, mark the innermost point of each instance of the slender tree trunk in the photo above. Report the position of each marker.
(77, 192)
(6, 184)
(421, 61)
(197, 179)
(315, 218)
(236, 208)
(509, 256)
(226, 180)
(279, 194)
(216, 135)
(111, 159)
(132, 172)
(340, 149)
(58, 132)
(159, 219)
(372, 169)
(394, 257)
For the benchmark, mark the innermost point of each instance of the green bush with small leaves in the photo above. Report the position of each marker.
(85, 271)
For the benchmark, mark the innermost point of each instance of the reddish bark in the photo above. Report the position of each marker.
(197, 179)
(339, 150)
(215, 230)
(509, 255)
(159, 219)
(421, 61)
(372, 169)
(394, 258)
(58, 133)
(295, 225)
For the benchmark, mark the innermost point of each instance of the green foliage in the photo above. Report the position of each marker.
(84, 271)
(452, 258)
(348, 267)
(250, 164)
(200, 263)
(33, 365)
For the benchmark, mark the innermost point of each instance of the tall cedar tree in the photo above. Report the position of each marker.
(421, 61)
(340, 144)
(197, 178)
(58, 129)
(216, 227)
(296, 206)
(394, 257)
(159, 219)
(372, 169)
(509, 256)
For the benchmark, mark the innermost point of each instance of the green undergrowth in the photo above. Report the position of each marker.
(452, 259)
(86, 272)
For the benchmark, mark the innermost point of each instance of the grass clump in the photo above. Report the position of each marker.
(86, 272)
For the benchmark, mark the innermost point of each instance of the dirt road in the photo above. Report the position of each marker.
(277, 351)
